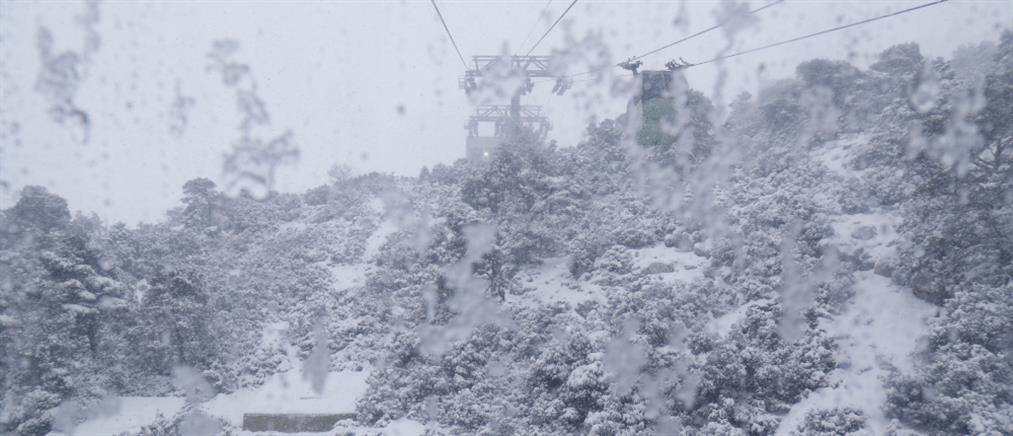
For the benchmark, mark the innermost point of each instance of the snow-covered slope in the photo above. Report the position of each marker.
(132, 414)
(552, 281)
(290, 392)
(877, 331)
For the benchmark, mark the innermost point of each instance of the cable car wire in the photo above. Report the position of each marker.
(452, 41)
(535, 23)
(799, 38)
(553, 26)
(714, 27)
(822, 32)
(680, 41)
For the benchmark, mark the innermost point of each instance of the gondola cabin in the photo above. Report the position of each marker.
(654, 104)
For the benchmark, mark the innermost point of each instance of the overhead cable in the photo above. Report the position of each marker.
(822, 32)
(450, 35)
(553, 26)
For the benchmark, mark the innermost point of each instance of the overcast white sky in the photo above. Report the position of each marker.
(335, 73)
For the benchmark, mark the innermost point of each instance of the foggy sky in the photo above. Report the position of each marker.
(338, 74)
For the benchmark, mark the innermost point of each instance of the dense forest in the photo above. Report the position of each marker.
(687, 268)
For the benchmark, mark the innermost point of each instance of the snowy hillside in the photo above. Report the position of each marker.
(829, 257)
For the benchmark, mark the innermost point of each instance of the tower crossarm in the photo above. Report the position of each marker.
(494, 112)
(501, 115)
(532, 66)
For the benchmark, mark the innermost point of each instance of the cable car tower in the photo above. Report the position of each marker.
(508, 120)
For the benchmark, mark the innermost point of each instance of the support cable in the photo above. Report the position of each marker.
(535, 23)
(553, 26)
(798, 38)
(714, 27)
(672, 44)
(452, 41)
(822, 32)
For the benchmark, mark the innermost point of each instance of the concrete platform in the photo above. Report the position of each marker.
(293, 422)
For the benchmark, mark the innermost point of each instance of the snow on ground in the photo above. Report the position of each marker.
(294, 226)
(347, 276)
(377, 238)
(551, 282)
(837, 155)
(405, 427)
(881, 327)
(686, 265)
(273, 334)
(133, 414)
(401, 427)
(877, 330)
(288, 392)
(873, 232)
(723, 324)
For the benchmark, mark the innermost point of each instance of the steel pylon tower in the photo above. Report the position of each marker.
(530, 116)
(527, 66)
